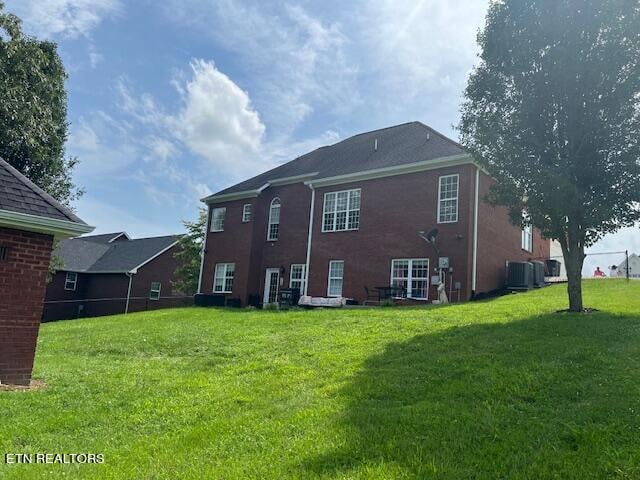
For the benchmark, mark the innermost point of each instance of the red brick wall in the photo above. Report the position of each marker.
(22, 287)
(499, 241)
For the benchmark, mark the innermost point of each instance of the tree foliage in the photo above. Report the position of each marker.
(33, 110)
(189, 254)
(552, 111)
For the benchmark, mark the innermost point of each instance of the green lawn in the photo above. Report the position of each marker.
(497, 389)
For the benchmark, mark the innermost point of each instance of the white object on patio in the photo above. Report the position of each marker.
(308, 301)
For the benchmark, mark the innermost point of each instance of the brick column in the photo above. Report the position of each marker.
(23, 277)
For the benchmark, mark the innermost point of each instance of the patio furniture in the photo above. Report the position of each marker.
(373, 297)
(391, 293)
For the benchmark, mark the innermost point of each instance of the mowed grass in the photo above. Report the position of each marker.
(497, 389)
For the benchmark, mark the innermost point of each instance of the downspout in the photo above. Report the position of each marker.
(310, 236)
(474, 272)
(126, 308)
(204, 249)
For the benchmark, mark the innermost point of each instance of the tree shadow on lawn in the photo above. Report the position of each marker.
(550, 396)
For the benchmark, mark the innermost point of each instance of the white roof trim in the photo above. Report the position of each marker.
(118, 236)
(38, 224)
(433, 164)
(288, 180)
(234, 196)
(135, 270)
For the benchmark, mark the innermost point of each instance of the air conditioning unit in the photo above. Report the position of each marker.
(538, 274)
(552, 268)
(520, 276)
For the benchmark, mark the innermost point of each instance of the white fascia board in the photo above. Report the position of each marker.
(60, 229)
(294, 179)
(436, 163)
(227, 197)
(135, 270)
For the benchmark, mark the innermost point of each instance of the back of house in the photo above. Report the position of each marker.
(345, 221)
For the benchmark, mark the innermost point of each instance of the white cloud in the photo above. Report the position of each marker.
(70, 18)
(217, 120)
(296, 62)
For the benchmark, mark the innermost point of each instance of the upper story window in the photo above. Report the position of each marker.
(341, 211)
(71, 281)
(246, 213)
(154, 292)
(448, 198)
(4, 254)
(274, 220)
(527, 238)
(223, 277)
(217, 219)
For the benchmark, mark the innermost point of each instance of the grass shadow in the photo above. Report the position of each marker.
(547, 397)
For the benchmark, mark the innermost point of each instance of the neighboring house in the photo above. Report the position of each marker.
(30, 220)
(111, 274)
(633, 267)
(346, 217)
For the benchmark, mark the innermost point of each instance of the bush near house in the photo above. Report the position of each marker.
(498, 389)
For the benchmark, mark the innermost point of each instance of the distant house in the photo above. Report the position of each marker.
(30, 220)
(112, 274)
(344, 221)
(633, 267)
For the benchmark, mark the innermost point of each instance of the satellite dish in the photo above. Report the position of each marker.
(431, 235)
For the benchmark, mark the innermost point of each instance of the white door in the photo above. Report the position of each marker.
(271, 285)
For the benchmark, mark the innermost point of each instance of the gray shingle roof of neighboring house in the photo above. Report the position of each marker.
(93, 255)
(398, 145)
(20, 195)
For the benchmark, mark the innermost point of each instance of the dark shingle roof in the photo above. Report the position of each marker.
(104, 238)
(19, 194)
(86, 255)
(398, 145)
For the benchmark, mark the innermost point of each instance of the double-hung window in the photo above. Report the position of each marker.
(246, 213)
(412, 274)
(70, 281)
(297, 276)
(448, 198)
(154, 292)
(223, 277)
(336, 276)
(341, 211)
(217, 219)
(273, 231)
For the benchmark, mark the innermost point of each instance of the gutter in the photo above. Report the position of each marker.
(126, 308)
(309, 239)
(38, 224)
(474, 271)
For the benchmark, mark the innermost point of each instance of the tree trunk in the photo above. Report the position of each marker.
(574, 260)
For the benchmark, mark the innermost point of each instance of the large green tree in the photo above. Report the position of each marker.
(189, 254)
(33, 109)
(552, 111)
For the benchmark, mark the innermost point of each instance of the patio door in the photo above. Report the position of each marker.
(271, 285)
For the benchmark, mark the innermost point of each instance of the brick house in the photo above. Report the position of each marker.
(346, 218)
(30, 220)
(112, 274)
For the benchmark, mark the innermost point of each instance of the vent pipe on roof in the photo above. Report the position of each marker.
(428, 136)
(375, 144)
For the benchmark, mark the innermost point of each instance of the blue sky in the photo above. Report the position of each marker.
(170, 100)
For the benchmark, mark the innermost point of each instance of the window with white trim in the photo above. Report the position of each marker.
(246, 213)
(448, 198)
(527, 238)
(341, 211)
(154, 292)
(412, 274)
(273, 231)
(223, 277)
(297, 276)
(217, 219)
(71, 281)
(336, 276)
